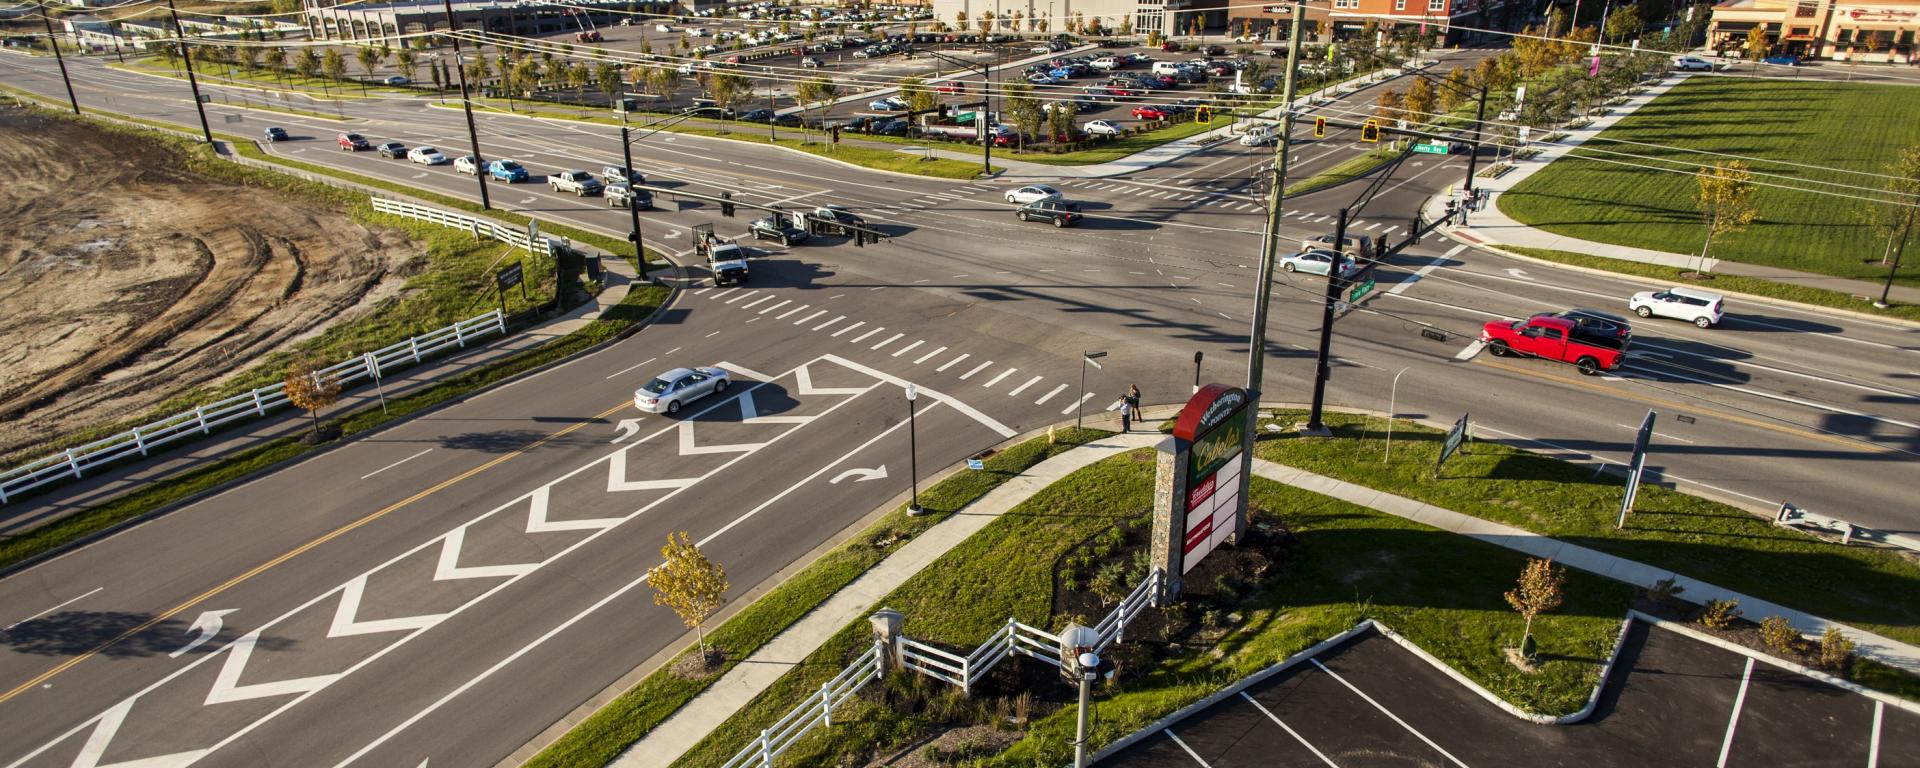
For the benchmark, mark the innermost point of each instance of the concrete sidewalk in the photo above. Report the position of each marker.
(671, 739)
(1494, 228)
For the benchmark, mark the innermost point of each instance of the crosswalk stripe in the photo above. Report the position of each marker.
(1049, 395)
(890, 340)
(716, 297)
(976, 369)
(1389, 230)
(929, 355)
(1373, 226)
(703, 290)
(1246, 206)
(822, 326)
(903, 350)
(794, 311)
(1030, 382)
(863, 337)
(996, 380)
(856, 324)
(783, 302)
(809, 318)
(756, 302)
(950, 363)
(741, 296)
(1076, 404)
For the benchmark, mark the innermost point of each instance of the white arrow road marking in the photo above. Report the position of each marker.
(672, 233)
(420, 175)
(1519, 273)
(627, 428)
(227, 688)
(207, 625)
(530, 199)
(449, 568)
(861, 474)
(109, 726)
(1470, 351)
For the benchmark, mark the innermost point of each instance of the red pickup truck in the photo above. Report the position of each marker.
(1553, 338)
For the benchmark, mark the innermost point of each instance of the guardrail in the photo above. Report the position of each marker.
(73, 463)
(817, 710)
(514, 236)
(1791, 516)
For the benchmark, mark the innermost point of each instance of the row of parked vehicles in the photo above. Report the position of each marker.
(619, 187)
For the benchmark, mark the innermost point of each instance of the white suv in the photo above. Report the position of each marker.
(1698, 307)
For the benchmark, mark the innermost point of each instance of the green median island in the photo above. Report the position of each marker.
(1633, 184)
(1309, 568)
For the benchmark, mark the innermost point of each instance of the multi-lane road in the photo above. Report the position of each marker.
(442, 591)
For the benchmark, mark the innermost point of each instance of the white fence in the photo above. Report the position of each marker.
(480, 227)
(816, 710)
(963, 671)
(73, 463)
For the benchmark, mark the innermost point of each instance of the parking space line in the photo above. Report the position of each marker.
(795, 310)
(1074, 404)
(856, 324)
(741, 296)
(1733, 719)
(1183, 745)
(1396, 718)
(783, 302)
(863, 337)
(950, 363)
(1390, 230)
(1289, 729)
(1049, 395)
(929, 355)
(716, 297)
(976, 369)
(996, 380)
(1030, 382)
(1873, 742)
(907, 348)
(703, 290)
(1373, 226)
(890, 340)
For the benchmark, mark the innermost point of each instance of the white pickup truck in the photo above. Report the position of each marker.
(725, 258)
(578, 182)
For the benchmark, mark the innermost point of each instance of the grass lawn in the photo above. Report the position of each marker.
(1722, 282)
(1350, 563)
(602, 737)
(1805, 128)
(1867, 588)
(1345, 171)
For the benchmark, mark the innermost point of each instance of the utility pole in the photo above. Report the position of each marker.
(1270, 241)
(1897, 253)
(1322, 370)
(192, 82)
(54, 43)
(473, 135)
(633, 208)
(1473, 155)
(980, 120)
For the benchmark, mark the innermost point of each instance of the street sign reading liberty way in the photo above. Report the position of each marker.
(1431, 149)
(1360, 290)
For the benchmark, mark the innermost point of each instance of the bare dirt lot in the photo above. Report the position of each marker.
(126, 281)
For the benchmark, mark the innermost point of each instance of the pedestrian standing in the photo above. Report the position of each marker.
(1133, 401)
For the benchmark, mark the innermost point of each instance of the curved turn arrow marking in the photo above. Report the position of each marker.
(208, 625)
(627, 429)
(861, 474)
(1520, 274)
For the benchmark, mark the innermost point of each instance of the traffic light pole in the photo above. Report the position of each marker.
(192, 82)
(633, 208)
(1270, 239)
(466, 105)
(1480, 118)
(54, 43)
(1322, 370)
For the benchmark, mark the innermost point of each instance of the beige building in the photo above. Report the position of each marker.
(1880, 31)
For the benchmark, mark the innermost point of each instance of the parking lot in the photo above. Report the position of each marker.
(1671, 701)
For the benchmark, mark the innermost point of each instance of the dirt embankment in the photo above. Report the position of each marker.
(126, 281)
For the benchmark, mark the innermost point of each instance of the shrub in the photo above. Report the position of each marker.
(1835, 649)
(1719, 614)
(1664, 592)
(1778, 633)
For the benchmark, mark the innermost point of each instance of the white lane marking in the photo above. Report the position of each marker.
(809, 318)
(783, 302)
(1373, 226)
(996, 380)
(1873, 741)
(950, 363)
(890, 340)
(795, 310)
(741, 296)
(1733, 719)
(975, 413)
(1075, 404)
(1246, 206)
(976, 369)
(703, 290)
(395, 464)
(1189, 750)
(837, 318)
(1390, 230)
(1771, 396)
(928, 356)
(711, 335)
(1420, 273)
(631, 367)
(1030, 382)
(856, 324)
(863, 337)
(1470, 351)
(51, 610)
(1661, 435)
(717, 296)
(1049, 395)
(1396, 718)
(908, 348)
(1289, 729)
(756, 302)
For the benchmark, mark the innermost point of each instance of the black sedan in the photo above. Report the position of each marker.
(756, 116)
(1595, 323)
(276, 133)
(777, 228)
(393, 149)
(1055, 212)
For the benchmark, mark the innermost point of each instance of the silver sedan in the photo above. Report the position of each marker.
(1315, 263)
(669, 391)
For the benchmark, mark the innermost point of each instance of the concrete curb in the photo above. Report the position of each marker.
(1682, 629)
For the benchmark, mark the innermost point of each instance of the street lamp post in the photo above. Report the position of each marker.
(913, 455)
(1089, 669)
(1393, 393)
(1085, 359)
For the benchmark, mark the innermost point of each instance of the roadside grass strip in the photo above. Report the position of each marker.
(600, 738)
(1872, 589)
(1347, 563)
(1724, 283)
(1835, 137)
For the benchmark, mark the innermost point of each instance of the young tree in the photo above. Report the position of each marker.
(311, 390)
(689, 583)
(1724, 197)
(607, 77)
(918, 95)
(1390, 107)
(277, 60)
(731, 90)
(250, 56)
(1757, 43)
(817, 91)
(1060, 121)
(369, 60)
(335, 65)
(1892, 220)
(1623, 23)
(1540, 590)
(1419, 100)
(307, 63)
(1126, 25)
(1457, 90)
(662, 82)
(984, 22)
(1023, 109)
(407, 61)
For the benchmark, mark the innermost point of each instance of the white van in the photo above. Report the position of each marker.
(1701, 308)
(1171, 68)
(1105, 62)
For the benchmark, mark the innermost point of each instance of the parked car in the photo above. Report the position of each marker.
(1695, 306)
(951, 86)
(756, 115)
(777, 227)
(1786, 60)
(1692, 64)
(888, 105)
(1033, 193)
(810, 62)
(1316, 262)
(393, 149)
(579, 183)
(397, 80)
(1150, 113)
(353, 142)
(1101, 128)
(1055, 212)
(426, 156)
(276, 133)
(669, 391)
(466, 164)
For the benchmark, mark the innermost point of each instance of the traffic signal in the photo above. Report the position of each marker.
(1370, 132)
(726, 204)
(1203, 115)
(1319, 127)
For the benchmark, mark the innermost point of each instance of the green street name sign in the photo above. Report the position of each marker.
(1431, 149)
(1360, 290)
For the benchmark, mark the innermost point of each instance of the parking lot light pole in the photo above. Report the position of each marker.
(192, 81)
(54, 43)
(913, 455)
(1089, 669)
(466, 105)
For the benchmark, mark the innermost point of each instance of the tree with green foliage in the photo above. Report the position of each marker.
(816, 91)
(407, 61)
(1724, 196)
(731, 90)
(1623, 23)
(1023, 109)
(606, 76)
(578, 78)
(662, 82)
(369, 61)
(918, 95)
(277, 61)
(335, 65)
(1419, 100)
(1898, 218)
(1060, 120)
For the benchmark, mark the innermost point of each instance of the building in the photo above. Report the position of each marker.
(377, 20)
(1326, 19)
(1882, 31)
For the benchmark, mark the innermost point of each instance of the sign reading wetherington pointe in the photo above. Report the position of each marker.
(1200, 489)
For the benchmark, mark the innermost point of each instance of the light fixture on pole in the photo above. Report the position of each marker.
(1393, 395)
(1086, 358)
(913, 455)
(1089, 669)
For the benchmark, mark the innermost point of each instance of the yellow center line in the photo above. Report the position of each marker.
(1679, 406)
(290, 554)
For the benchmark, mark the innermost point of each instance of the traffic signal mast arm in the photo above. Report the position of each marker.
(1375, 122)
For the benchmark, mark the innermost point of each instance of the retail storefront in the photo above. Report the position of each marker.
(1821, 29)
